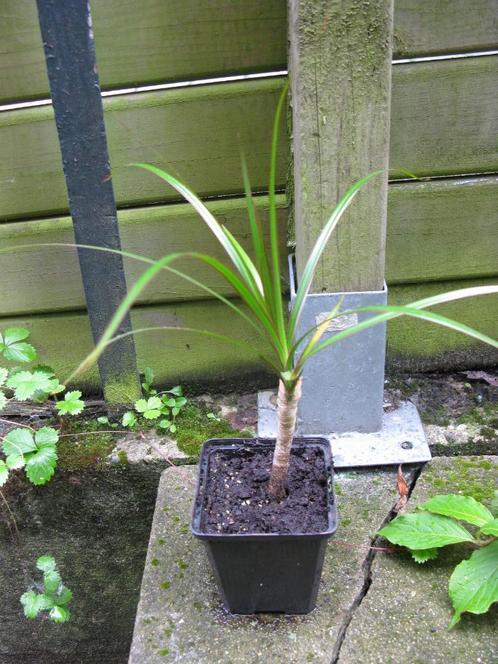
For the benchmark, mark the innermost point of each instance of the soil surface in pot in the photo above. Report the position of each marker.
(237, 499)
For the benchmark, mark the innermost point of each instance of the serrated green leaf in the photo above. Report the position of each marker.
(424, 530)
(41, 464)
(140, 405)
(64, 596)
(59, 614)
(18, 441)
(474, 583)
(14, 334)
(463, 508)
(26, 383)
(31, 604)
(72, 404)
(490, 528)
(20, 352)
(46, 563)
(129, 419)
(494, 504)
(3, 400)
(4, 473)
(3, 375)
(152, 414)
(51, 580)
(15, 461)
(46, 436)
(154, 403)
(423, 555)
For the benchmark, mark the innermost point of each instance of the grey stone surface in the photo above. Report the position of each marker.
(405, 614)
(145, 447)
(180, 618)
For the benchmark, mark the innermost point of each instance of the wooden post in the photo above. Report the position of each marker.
(67, 35)
(340, 70)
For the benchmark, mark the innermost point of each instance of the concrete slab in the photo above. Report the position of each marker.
(405, 614)
(180, 618)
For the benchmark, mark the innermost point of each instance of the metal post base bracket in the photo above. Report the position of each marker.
(400, 440)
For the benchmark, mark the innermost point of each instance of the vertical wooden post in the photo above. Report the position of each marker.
(340, 69)
(67, 35)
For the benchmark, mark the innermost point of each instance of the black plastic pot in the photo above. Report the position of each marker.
(265, 572)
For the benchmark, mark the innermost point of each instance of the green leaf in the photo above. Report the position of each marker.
(15, 461)
(3, 375)
(46, 563)
(141, 405)
(164, 424)
(169, 402)
(103, 420)
(424, 530)
(148, 375)
(474, 583)
(14, 348)
(4, 472)
(51, 580)
(25, 383)
(129, 419)
(177, 391)
(41, 464)
(18, 441)
(46, 436)
(173, 428)
(72, 404)
(490, 528)
(31, 604)
(152, 414)
(175, 411)
(64, 596)
(494, 504)
(423, 555)
(59, 614)
(464, 508)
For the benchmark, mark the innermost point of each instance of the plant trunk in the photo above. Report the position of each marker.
(287, 401)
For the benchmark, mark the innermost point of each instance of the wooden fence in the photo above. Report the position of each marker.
(442, 231)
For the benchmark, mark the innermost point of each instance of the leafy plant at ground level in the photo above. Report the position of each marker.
(54, 597)
(258, 284)
(14, 347)
(72, 404)
(473, 585)
(37, 454)
(160, 407)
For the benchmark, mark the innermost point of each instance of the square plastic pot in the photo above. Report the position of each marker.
(265, 572)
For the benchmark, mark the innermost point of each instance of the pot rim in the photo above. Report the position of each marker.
(238, 443)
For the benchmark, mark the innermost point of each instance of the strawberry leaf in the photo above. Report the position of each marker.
(14, 348)
(26, 383)
(423, 555)
(18, 441)
(72, 404)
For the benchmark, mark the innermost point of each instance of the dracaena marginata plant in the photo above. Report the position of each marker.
(258, 283)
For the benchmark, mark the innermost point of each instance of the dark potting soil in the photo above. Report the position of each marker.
(237, 499)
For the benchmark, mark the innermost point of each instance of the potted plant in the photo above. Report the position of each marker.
(265, 508)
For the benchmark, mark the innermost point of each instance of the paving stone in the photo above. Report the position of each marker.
(405, 614)
(180, 618)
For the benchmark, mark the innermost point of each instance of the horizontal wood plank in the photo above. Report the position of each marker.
(444, 122)
(154, 41)
(150, 41)
(443, 117)
(442, 230)
(437, 230)
(44, 279)
(433, 27)
(415, 345)
(64, 339)
(196, 133)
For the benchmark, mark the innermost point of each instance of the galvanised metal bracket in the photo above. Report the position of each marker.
(343, 390)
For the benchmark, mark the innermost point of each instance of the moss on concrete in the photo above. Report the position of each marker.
(82, 446)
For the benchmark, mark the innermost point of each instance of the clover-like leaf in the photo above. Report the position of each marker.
(14, 348)
(4, 472)
(59, 614)
(150, 408)
(51, 580)
(26, 383)
(15, 461)
(64, 596)
(474, 583)
(129, 419)
(31, 604)
(423, 530)
(72, 404)
(18, 441)
(46, 563)
(423, 555)
(463, 508)
(40, 466)
(46, 436)
(490, 528)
